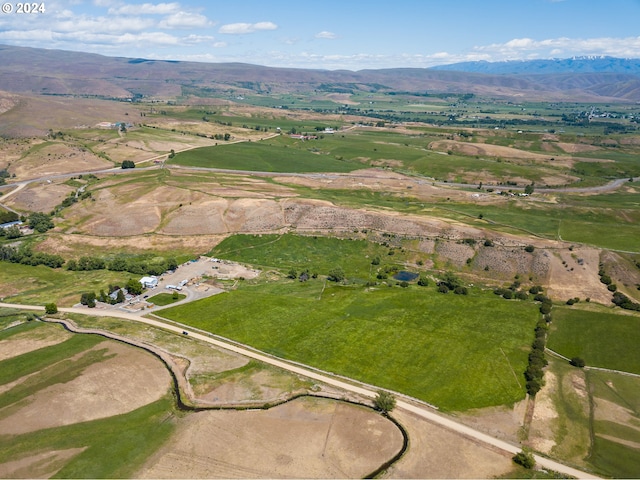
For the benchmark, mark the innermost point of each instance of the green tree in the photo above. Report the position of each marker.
(50, 308)
(134, 287)
(40, 222)
(525, 459)
(128, 164)
(120, 296)
(529, 189)
(336, 275)
(88, 299)
(384, 401)
(577, 362)
(175, 295)
(12, 232)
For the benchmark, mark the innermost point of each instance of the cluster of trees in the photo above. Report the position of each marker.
(3, 175)
(141, 265)
(40, 222)
(11, 232)
(450, 282)
(514, 291)
(133, 287)
(619, 299)
(534, 374)
(303, 276)
(26, 256)
(6, 216)
(622, 301)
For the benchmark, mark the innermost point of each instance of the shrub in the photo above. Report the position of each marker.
(423, 282)
(50, 308)
(336, 275)
(577, 362)
(529, 248)
(442, 288)
(384, 401)
(460, 290)
(524, 459)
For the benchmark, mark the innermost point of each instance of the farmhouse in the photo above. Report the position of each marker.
(149, 282)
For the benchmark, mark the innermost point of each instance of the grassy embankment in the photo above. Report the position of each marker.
(455, 351)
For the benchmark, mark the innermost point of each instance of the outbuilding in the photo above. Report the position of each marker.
(149, 282)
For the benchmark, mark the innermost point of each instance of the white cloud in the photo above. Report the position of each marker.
(521, 48)
(145, 9)
(327, 35)
(243, 28)
(185, 20)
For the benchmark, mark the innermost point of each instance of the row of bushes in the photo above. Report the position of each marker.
(619, 299)
(26, 256)
(534, 374)
(140, 265)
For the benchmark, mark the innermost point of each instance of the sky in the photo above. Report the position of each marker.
(330, 34)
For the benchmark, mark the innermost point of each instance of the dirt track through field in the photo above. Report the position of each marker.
(367, 391)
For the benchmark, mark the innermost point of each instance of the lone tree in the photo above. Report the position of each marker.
(50, 308)
(128, 164)
(336, 275)
(525, 459)
(577, 362)
(384, 401)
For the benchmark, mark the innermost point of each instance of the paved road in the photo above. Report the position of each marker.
(361, 389)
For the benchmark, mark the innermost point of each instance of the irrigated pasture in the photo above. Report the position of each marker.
(602, 337)
(455, 351)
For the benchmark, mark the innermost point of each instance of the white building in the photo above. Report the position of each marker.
(149, 282)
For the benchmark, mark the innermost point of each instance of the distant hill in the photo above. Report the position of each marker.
(597, 64)
(56, 72)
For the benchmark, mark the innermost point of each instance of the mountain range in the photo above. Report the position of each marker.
(57, 72)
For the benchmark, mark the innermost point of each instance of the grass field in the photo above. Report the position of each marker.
(40, 285)
(263, 158)
(602, 338)
(457, 352)
(318, 254)
(163, 299)
(616, 442)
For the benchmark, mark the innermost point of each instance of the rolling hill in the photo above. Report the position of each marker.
(55, 72)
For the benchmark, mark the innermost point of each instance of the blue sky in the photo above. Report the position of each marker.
(332, 34)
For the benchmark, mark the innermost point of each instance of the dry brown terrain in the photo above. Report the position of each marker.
(128, 380)
(181, 210)
(305, 438)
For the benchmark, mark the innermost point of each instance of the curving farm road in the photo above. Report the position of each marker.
(325, 377)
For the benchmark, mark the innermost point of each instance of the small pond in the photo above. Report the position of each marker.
(405, 276)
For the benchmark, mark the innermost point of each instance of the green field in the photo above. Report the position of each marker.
(317, 254)
(262, 157)
(455, 351)
(616, 444)
(163, 299)
(602, 338)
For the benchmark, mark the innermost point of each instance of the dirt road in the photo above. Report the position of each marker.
(351, 386)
